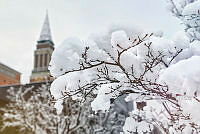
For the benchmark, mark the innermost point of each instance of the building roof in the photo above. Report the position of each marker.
(3, 66)
(45, 34)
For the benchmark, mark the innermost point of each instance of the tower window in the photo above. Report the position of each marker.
(36, 61)
(45, 60)
(41, 60)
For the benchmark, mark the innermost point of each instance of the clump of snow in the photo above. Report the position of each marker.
(66, 56)
(161, 45)
(59, 106)
(105, 94)
(69, 83)
(101, 103)
(183, 77)
(120, 40)
(131, 126)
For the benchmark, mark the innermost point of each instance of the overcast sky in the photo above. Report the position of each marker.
(21, 22)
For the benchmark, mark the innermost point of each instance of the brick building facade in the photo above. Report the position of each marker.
(8, 76)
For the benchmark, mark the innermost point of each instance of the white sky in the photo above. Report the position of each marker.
(21, 22)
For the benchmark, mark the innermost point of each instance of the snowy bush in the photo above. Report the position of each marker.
(160, 77)
(188, 11)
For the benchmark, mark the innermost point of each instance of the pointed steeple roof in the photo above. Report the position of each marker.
(45, 34)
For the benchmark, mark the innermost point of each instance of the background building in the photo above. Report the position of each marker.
(42, 54)
(8, 76)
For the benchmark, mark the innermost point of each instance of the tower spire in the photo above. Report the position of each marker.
(42, 54)
(45, 34)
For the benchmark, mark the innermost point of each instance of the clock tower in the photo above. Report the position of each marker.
(42, 54)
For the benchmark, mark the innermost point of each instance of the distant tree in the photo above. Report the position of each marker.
(31, 111)
(188, 11)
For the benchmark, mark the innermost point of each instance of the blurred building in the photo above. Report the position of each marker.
(8, 76)
(42, 54)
